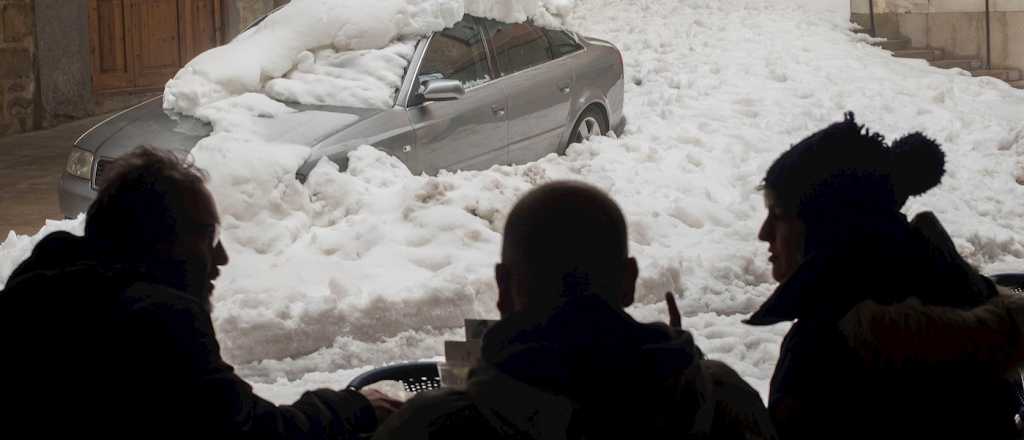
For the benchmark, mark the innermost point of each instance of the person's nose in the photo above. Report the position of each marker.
(220, 255)
(765, 234)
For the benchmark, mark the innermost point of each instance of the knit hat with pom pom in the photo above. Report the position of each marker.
(844, 177)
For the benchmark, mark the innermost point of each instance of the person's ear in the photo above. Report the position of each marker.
(631, 273)
(506, 303)
(165, 250)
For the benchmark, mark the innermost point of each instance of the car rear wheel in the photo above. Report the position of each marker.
(591, 123)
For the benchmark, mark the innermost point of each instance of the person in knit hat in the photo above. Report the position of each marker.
(838, 242)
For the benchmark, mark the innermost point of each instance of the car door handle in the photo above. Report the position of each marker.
(565, 87)
(498, 110)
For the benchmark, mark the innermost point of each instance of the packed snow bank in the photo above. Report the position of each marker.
(16, 248)
(366, 78)
(274, 48)
(348, 53)
(376, 265)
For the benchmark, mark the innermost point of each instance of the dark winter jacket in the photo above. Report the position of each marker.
(96, 351)
(825, 386)
(587, 371)
(988, 338)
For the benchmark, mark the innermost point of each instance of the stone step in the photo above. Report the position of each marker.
(881, 33)
(922, 54)
(1008, 75)
(895, 44)
(965, 63)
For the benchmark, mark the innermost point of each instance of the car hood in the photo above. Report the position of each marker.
(148, 124)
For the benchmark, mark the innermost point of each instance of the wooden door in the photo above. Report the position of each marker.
(140, 44)
(109, 45)
(153, 27)
(201, 27)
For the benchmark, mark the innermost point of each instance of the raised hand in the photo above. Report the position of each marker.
(675, 320)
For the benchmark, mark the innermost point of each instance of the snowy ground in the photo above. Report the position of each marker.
(376, 265)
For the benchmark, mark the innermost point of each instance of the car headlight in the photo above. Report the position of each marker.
(80, 163)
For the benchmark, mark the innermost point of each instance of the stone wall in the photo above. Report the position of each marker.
(908, 6)
(17, 67)
(65, 67)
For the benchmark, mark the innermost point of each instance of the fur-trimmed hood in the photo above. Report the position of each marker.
(887, 266)
(988, 338)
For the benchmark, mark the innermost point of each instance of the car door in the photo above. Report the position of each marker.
(469, 133)
(538, 85)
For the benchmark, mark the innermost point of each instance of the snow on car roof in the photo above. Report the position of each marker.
(349, 53)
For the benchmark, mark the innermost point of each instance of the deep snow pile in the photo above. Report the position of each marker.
(334, 52)
(375, 265)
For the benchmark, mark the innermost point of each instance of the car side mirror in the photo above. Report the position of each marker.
(442, 90)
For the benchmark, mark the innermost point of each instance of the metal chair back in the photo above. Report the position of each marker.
(414, 376)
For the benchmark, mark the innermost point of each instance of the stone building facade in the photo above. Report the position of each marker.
(17, 72)
(961, 29)
(57, 63)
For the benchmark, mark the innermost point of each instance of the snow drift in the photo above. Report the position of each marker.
(348, 53)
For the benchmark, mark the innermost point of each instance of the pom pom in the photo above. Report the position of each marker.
(918, 165)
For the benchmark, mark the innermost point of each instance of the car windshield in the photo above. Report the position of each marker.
(327, 76)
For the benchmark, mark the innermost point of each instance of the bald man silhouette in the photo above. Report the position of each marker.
(566, 361)
(562, 241)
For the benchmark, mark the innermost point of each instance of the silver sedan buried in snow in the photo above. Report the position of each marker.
(478, 94)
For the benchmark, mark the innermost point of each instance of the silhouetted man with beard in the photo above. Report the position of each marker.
(109, 335)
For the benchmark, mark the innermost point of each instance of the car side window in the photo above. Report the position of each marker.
(562, 43)
(457, 53)
(518, 46)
